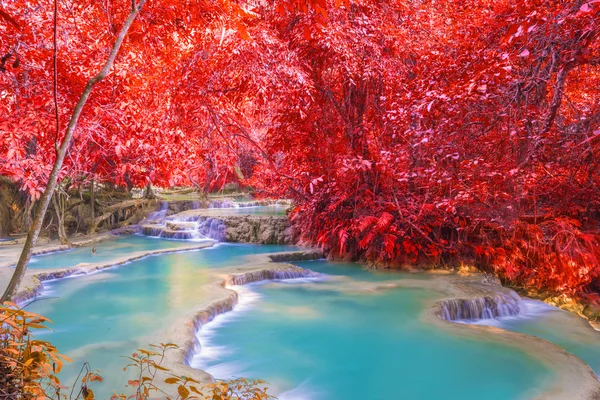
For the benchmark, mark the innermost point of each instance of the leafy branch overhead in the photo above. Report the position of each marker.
(406, 132)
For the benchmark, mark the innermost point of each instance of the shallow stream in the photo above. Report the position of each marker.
(332, 337)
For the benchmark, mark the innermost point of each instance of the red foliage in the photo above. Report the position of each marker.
(463, 132)
(406, 132)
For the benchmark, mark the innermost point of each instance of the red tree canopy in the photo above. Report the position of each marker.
(406, 132)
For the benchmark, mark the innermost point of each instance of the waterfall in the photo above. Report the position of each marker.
(485, 307)
(160, 214)
(212, 228)
(185, 228)
(291, 272)
(222, 204)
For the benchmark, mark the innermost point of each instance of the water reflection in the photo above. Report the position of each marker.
(103, 316)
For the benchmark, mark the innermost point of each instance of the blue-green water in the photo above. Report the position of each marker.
(311, 339)
(317, 343)
(106, 251)
(558, 327)
(100, 317)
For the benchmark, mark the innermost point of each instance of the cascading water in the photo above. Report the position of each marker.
(486, 307)
(246, 204)
(191, 228)
(212, 228)
(291, 272)
(160, 214)
(222, 204)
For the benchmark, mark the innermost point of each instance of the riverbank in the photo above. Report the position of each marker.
(571, 378)
(581, 307)
(575, 379)
(32, 283)
(578, 306)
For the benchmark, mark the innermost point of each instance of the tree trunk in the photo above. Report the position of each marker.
(27, 220)
(93, 202)
(59, 209)
(148, 192)
(61, 152)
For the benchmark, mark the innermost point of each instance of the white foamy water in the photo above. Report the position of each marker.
(229, 370)
(208, 350)
(530, 309)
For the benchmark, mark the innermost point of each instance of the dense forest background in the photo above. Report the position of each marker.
(407, 133)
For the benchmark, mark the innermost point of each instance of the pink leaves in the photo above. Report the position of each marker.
(585, 8)
(313, 183)
(588, 7)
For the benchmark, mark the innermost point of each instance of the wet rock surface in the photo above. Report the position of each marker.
(297, 256)
(215, 222)
(259, 229)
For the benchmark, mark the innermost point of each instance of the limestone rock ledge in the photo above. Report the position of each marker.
(259, 229)
(266, 271)
(256, 229)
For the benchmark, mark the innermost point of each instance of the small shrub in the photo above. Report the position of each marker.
(29, 369)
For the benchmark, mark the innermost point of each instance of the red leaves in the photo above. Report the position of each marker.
(241, 28)
(588, 7)
(4, 15)
(307, 32)
(389, 244)
(554, 255)
(366, 222)
(399, 144)
(437, 147)
(384, 222)
(428, 207)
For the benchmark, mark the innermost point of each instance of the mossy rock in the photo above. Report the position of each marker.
(592, 312)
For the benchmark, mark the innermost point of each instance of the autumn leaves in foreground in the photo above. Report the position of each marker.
(29, 369)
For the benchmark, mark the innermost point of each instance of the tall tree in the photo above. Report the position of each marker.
(61, 151)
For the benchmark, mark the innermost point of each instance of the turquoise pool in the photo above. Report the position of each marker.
(106, 251)
(314, 343)
(310, 339)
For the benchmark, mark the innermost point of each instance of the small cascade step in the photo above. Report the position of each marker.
(151, 229)
(212, 227)
(181, 225)
(188, 228)
(478, 308)
(159, 215)
(222, 204)
(180, 235)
